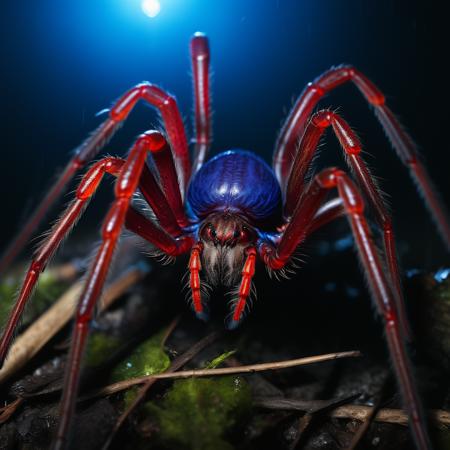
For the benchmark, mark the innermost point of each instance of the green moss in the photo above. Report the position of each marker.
(129, 396)
(47, 291)
(99, 349)
(147, 359)
(219, 360)
(197, 413)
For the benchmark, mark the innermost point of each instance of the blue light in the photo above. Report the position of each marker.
(441, 275)
(344, 243)
(151, 7)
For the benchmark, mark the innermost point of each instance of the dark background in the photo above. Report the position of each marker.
(62, 62)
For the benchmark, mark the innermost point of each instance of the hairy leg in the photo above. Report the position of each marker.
(382, 293)
(295, 125)
(352, 148)
(126, 185)
(200, 67)
(298, 117)
(328, 212)
(170, 183)
(59, 231)
(161, 237)
(248, 271)
(151, 94)
(195, 266)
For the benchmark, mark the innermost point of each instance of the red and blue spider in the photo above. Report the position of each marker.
(233, 209)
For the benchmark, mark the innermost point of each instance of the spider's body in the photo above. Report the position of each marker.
(236, 181)
(236, 209)
(235, 202)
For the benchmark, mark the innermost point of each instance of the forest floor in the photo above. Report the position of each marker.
(324, 308)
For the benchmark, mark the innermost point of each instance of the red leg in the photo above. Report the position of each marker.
(125, 186)
(297, 120)
(295, 124)
(244, 289)
(328, 212)
(135, 222)
(315, 129)
(145, 228)
(381, 291)
(195, 266)
(200, 69)
(23, 237)
(159, 204)
(60, 230)
(168, 108)
(169, 180)
(173, 123)
(334, 209)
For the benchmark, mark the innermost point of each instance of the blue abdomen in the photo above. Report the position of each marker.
(236, 181)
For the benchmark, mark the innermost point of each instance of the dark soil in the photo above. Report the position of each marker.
(324, 308)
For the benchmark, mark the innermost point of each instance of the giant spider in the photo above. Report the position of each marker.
(236, 209)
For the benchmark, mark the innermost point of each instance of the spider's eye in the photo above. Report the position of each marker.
(236, 234)
(246, 235)
(211, 232)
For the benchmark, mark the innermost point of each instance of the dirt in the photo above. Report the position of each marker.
(324, 308)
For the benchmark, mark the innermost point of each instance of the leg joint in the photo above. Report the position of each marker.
(327, 178)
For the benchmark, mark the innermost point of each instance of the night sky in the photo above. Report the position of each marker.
(62, 62)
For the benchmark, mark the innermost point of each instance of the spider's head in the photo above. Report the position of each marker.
(225, 236)
(226, 230)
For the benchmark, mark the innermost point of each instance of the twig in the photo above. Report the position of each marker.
(56, 317)
(121, 385)
(67, 271)
(357, 412)
(8, 410)
(362, 430)
(303, 423)
(306, 419)
(176, 364)
(397, 416)
(170, 330)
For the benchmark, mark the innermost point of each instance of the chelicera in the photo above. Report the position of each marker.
(233, 209)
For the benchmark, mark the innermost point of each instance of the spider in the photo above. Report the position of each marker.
(233, 209)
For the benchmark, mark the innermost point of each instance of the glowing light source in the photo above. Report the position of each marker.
(441, 275)
(151, 7)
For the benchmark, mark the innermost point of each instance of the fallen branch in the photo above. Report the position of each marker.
(362, 430)
(56, 317)
(357, 412)
(8, 410)
(67, 271)
(309, 416)
(121, 385)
